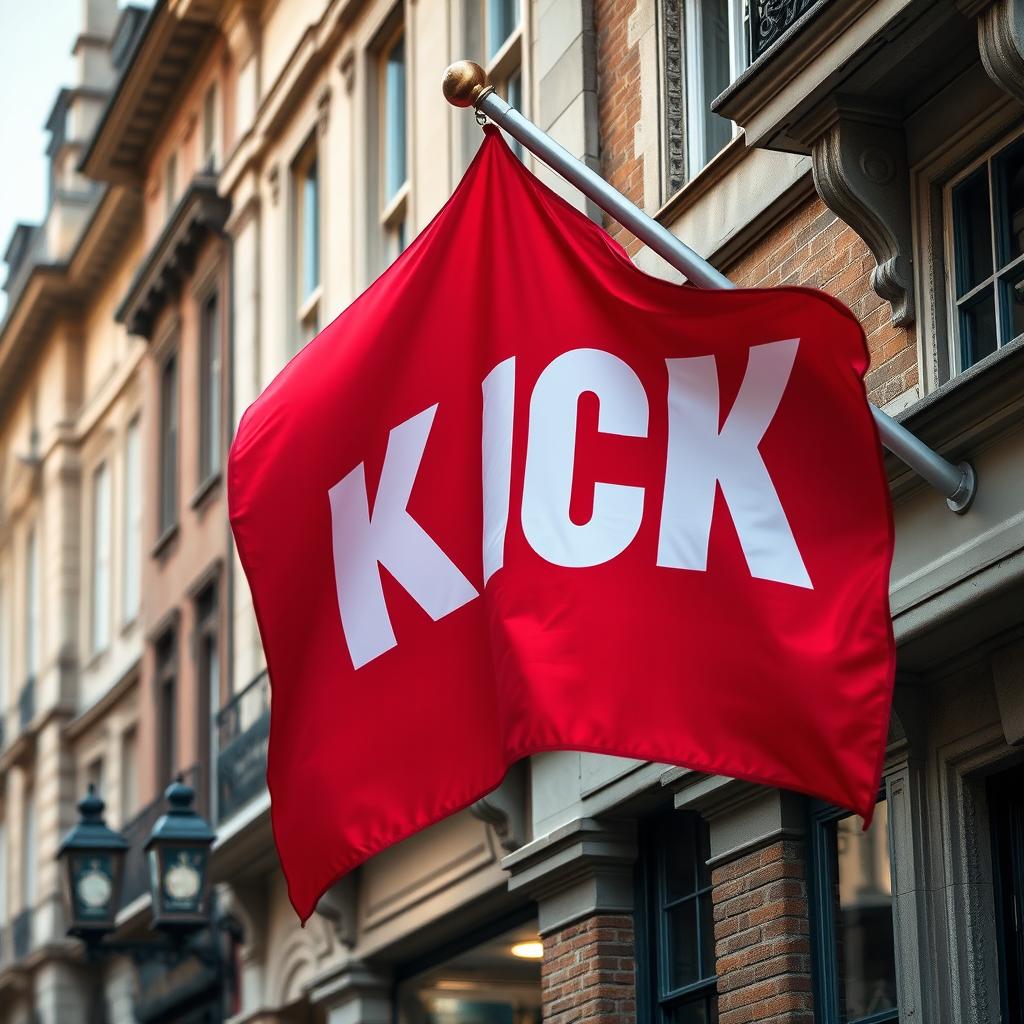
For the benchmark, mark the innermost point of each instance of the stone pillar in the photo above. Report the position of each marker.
(354, 994)
(760, 898)
(581, 876)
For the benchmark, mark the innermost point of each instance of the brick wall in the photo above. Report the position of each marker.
(762, 944)
(587, 973)
(618, 107)
(814, 247)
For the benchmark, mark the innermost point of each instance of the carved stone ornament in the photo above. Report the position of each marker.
(860, 172)
(1001, 43)
(338, 907)
(504, 809)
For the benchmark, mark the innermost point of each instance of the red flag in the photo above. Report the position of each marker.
(521, 496)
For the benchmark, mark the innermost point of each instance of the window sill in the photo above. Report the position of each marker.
(159, 549)
(710, 175)
(205, 490)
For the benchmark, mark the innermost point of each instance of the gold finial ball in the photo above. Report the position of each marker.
(463, 82)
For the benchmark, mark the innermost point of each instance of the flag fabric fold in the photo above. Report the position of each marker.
(521, 496)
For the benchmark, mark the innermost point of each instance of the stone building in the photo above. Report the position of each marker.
(247, 168)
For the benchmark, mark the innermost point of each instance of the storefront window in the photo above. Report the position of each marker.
(493, 982)
(856, 962)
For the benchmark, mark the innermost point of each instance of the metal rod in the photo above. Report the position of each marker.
(465, 84)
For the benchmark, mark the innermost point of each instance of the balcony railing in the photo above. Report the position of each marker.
(21, 932)
(27, 703)
(136, 831)
(243, 730)
(770, 18)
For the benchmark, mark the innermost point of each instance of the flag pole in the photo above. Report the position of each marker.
(466, 85)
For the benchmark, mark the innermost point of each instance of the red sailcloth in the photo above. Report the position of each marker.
(521, 496)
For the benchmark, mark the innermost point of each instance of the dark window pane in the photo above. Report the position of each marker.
(1013, 308)
(703, 1011)
(502, 18)
(707, 936)
(864, 933)
(683, 950)
(169, 444)
(973, 239)
(679, 854)
(978, 328)
(715, 55)
(1010, 213)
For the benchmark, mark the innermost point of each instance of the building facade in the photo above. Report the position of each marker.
(231, 173)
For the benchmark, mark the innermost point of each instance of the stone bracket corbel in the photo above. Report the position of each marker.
(338, 907)
(1000, 41)
(504, 809)
(860, 171)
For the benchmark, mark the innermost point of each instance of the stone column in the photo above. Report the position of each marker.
(581, 876)
(760, 898)
(353, 994)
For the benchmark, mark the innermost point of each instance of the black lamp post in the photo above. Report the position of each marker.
(92, 862)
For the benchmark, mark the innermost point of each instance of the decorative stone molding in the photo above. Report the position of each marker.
(347, 67)
(323, 109)
(1001, 43)
(743, 817)
(581, 869)
(1008, 679)
(338, 906)
(675, 97)
(860, 172)
(353, 994)
(504, 809)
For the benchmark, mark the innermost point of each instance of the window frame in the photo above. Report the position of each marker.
(100, 629)
(955, 259)
(32, 623)
(696, 104)
(165, 678)
(823, 855)
(306, 302)
(211, 387)
(393, 204)
(169, 491)
(653, 943)
(132, 523)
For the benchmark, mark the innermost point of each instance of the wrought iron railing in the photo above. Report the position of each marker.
(21, 934)
(136, 831)
(243, 731)
(770, 18)
(27, 703)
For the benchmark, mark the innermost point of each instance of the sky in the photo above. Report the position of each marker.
(35, 61)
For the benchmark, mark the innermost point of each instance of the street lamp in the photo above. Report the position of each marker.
(92, 857)
(179, 853)
(92, 861)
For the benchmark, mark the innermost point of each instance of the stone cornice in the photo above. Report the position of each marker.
(199, 212)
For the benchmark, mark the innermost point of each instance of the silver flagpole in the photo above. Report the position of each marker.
(465, 85)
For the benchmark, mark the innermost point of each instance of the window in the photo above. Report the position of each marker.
(131, 561)
(28, 851)
(208, 656)
(170, 183)
(306, 243)
(394, 172)
(676, 958)
(210, 129)
(503, 47)
(855, 958)
(31, 606)
(101, 527)
(167, 706)
(129, 774)
(209, 389)
(986, 210)
(1006, 807)
(94, 776)
(704, 51)
(169, 444)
